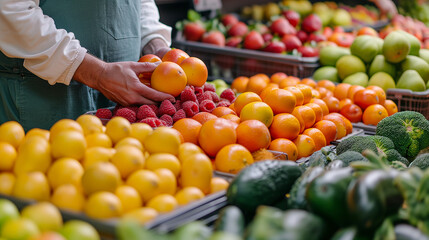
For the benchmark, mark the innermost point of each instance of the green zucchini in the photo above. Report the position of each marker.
(299, 224)
(267, 224)
(297, 193)
(408, 232)
(231, 221)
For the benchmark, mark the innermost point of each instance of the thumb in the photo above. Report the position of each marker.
(141, 67)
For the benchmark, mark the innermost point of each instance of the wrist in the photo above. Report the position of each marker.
(153, 45)
(89, 71)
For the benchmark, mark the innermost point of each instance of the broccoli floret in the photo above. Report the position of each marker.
(357, 144)
(421, 161)
(351, 156)
(393, 155)
(384, 144)
(408, 130)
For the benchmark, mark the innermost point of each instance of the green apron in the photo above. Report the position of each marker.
(108, 29)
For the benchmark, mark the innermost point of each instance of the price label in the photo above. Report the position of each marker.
(205, 5)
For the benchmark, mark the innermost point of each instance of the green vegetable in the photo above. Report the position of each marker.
(300, 224)
(267, 224)
(322, 157)
(350, 233)
(230, 220)
(421, 161)
(297, 198)
(131, 230)
(351, 156)
(193, 230)
(224, 236)
(408, 232)
(335, 165)
(357, 144)
(383, 143)
(393, 155)
(408, 130)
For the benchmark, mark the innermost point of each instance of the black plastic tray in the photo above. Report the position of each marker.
(368, 129)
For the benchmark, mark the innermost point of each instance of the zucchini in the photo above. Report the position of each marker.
(408, 232)
(267, 224)
(299, 224)
(297, 193)
(231, 221)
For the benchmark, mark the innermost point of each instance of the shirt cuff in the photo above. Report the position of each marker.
(149, 38)
(68, 74)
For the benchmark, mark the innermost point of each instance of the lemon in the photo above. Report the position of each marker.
(129, 198)
(64, 125)
(188, 194)
(79, 230)
(163, 160)
(163, 203)
(141, 215)
(46, 216)
(38, 132)
(68, 197)
(7, 181)
(103, 205)
(118, 128)
(19, 229)
(64, 171)
(8, 156)
(97, 154)
(145, 182)
(98, 140)
(12, 132)
(129, 141)
(140, 131)
(186, 149)
(167, 181)
(34, 154)
(197, 171)
(33, 185)
(163, 140)
(90, 124)
(68, 144)
(128, 159)
(101, 176)
(218, 184)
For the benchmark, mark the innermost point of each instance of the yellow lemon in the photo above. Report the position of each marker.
(258, 111)
(98, 140)
(118, 128)
(163, 203)
(64, 171)
(12, 132)
(168, 181)
(68, 144)
(38, 132)
(64, 125)
(188, 194)
(97, 154)
(188, 148)
(140, 131)
(129, 198)
(101, 176)
(128, 159)
(197, 171)
(141, 215)
(19, 229)
(90, 124)
(103, 205)
(68, 197)
(45, 215)
(7, 181)
(218, 184)
(34, 154)
(163, 140)
(163, 160)
(77, 229)
(8, 156)
(145, 182)
(129, 141)
(33, 185)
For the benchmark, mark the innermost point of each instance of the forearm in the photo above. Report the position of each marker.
(89, 71)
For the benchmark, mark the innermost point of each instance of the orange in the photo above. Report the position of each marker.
(333, 104)
(232, 106)
(315, 93)
(169, 77)
(256, 84)
(380, 93)
(324, 92)
(12, 133)
(347, 123)
(345, 102)
(306, 92)
(218, 184)
(322, 104)
(374, 114)
(175, 55)
(222, 111)
(280, 100)
(278, 77)
(352, 91)
(203, 117)
(328, 128)
(309, 82)
(267, 89)
(390, 107)
(232, 158)
(253, 135)
(339, 122)
(317, 136)
(326, 84)
(215, 134)
(285, 125)
(286, 146)
(341, 90)
(263, 76)
(365, 98)
(189, 128)
(298, 94)
(317, 110)
(150, 58)
(195, 70)
(239, 84)
(305, 145)
(352, 112)
(232, 117)
(305, 115)
(258, 111)
(244, 99)
(289, 82)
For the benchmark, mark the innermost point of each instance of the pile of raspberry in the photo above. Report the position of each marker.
(191, 101)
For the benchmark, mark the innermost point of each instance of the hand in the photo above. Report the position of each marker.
(160, 52)
(156, 46)
(387, 7)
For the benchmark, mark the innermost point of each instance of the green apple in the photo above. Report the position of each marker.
(414, 43)
(365, 48)
(424, 54)
(396, 47)
(341, 18)
(46, 216)
(382, 80)
(418, 64)
(79, 230)
(348, 65)
(8, 211)
(220, 89)
(219, 83)
(323, 11)
(326, 72)
(19, 229)
(330, 54)
(412, 80)
(379, 64)
(358, 78)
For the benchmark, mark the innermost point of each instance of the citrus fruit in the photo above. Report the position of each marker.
(90, 124)
(321, 104)
(365, 98)
(32, 185)
(8, 211)
(195, 70)
(169, 77)
(239, 84)
(45, 215)
(63, 125)
(215, 134)
(197, 171)
(102, 176)
(328, 128)
(381, 94)
(318, 111)
(19, 229)
(333, 103)
(8, 156)
(189, 128)
(97, 154)
(187, 149)
(352, 112)
(12, 133)
(299, 96)
(129, 197)
(374, 114)
(306, 92)
(245, 98)
(64, 171)
(278, 77)
(118, 128)
(232, 158)
(317, 136)
(146, 182)
(352, 91)
(289, 81)
(309, 82)
(38, 132)
(347, 123)
(340, 124)
(163, 203)
(140, 131)
(222, 111)
(68, 197)
(305, 115)
(175, 55)
(305, 145)
(285, 125)
(163, 160)
(34, 154)
(341, 90)
(79, 230)
(168, 181)
(188, 194)
(345, 102)
(286, 146)
(253, 135)
(256, 84)
(390, 107)
(129, 141)
(149, 58)
(128, 159)
(163, 140)
(68, 144)
(257, 111)
(218, 184)
(141, 215)
(280, 100)
(203, 117)
(326, 84)
(98, 140)
(7, 181)
(103, 205)
(233, 118)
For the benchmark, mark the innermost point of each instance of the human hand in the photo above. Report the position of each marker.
(160, 52)
(156, 46)
(387, 7)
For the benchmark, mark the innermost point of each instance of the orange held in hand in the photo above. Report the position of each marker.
(175, 55)
(195, 70)
(170, 78)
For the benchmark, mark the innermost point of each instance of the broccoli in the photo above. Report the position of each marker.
(383, 143)
(421, 161)
(408, 130)
(357, 144)
(351, 156)
(393, 155)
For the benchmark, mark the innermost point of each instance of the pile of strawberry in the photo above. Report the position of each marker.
(191, 101)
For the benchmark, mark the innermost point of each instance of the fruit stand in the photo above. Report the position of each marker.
(290, 120)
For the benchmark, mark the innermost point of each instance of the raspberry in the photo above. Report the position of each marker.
(127, 113)
(166, 107)
(104, 113)
(134, 108)
(215, 97)
(154, 108)
(178, 104)
(117, 107)
(152, 121)
(223, 103)
(204, 96)
(188, 95)
(207, 106)
(145, 111)
(228, 94)
(179, 115)
(209, 87)
(198, 90)
(162, 123)
(167, 119)
(191, 108)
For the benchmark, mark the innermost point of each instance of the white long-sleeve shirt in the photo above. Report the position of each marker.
(54, 54)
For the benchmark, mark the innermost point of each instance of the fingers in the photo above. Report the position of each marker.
(153, 94)
(141, 67)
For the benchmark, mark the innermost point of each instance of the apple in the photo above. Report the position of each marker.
(261, 28)
(214, 37)
(311, 23)
(233, 41)
(342, 39)
(291, 42)
(327, 32)
(341, 18)
(275, 47)
(193, 31)
(281, 26)
(302, 36)
(367, 31)
(238, 30)
(412, 80)
(267, 37)
(253, 41)
(229, 20)
(316, 37)
(292, 16)
(307, 51)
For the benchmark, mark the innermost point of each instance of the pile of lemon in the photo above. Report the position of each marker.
(118, 170)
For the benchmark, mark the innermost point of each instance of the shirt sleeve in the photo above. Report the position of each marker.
(50, 53)
(150, 26)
